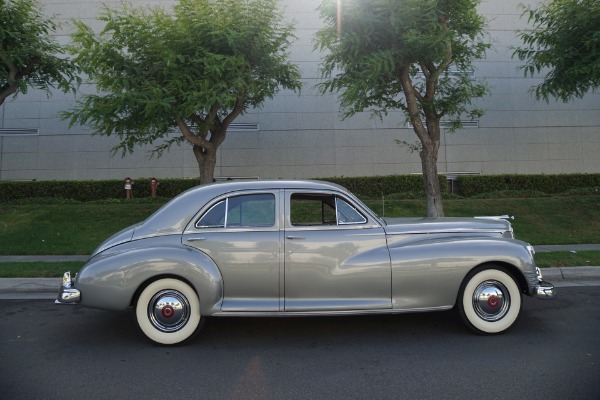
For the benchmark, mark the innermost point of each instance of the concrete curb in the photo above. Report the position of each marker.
(571, 273)
(24, 285)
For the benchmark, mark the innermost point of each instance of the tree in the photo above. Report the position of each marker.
(29, 55)
(194, 70)
(564, 43)
(409, 55)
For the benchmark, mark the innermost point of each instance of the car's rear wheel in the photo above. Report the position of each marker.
(168, 312)
(489, 300)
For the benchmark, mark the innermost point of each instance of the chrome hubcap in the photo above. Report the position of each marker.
(491, 300)
(168, 310)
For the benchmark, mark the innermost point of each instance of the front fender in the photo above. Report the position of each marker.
(428, 273)
(111, 279)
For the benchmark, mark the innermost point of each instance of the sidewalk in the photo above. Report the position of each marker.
(566, 247)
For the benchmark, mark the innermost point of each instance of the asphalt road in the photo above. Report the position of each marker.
(62, 352)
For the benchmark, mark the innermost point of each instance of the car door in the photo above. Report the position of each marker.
(336, 257)
(240, 232)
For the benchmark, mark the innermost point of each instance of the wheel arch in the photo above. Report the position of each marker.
(514, 271)
(197, 271)
(155, 278)
(114, 280)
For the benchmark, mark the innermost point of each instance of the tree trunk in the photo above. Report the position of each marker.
(207, 159)
(429, 156)
(429, 134)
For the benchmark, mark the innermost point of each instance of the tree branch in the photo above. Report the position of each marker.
(237, 110)
(192, 138)
(413, 108)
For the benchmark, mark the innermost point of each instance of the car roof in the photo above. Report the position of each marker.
(252, 184)
(174, 216)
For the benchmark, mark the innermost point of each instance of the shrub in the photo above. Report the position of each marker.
(469, 186)
(393, 186)
(376, 186)
(89, 190)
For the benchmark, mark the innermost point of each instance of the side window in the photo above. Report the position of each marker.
(214, 217)
(312, 209)
(347, 214)
(247, 211)
(256, 210)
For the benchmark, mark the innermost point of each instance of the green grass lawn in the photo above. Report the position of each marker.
(58, 229)
(545, 220)
(38, 269)
(78, 228)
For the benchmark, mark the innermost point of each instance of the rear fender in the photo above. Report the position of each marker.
(112, 279)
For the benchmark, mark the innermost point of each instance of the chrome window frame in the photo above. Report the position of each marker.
(225, 198)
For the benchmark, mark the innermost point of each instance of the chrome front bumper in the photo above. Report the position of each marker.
(67, 293)
(545, 290)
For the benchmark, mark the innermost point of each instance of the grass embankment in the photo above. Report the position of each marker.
(77, 228)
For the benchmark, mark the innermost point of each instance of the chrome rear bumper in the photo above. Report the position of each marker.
(67, 293)
(545, 290)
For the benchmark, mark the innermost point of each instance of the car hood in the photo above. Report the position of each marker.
(405, 226)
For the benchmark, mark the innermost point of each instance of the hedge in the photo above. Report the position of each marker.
(90, 190)
(374, 186)
(110, 189)
(551, 184)
(385, 185)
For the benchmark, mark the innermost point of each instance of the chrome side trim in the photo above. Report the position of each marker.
(442, 230)
(67, 293)
(506, 217)
(325, 313)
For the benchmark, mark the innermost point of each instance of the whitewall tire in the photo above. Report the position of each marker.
(489, 301)
(168, 312)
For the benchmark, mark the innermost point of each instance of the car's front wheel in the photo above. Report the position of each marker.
(168, 312)
(489, 300)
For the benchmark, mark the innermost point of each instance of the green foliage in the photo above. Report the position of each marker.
(370, 43)
(67, 192)
(195, 68)
(402, 186)
(29, 56)
(88, 190)
(550, 184)
(410, 55)
(564, 43)
(392, 187)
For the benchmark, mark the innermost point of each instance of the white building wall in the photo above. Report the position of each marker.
(303, 136)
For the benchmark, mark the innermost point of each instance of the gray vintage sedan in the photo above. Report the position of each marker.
(279, 248)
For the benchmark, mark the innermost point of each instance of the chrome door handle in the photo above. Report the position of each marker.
(195, 239)
(290, 237)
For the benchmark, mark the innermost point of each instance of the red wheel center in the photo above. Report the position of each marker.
(168, 311)
(493, 301)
